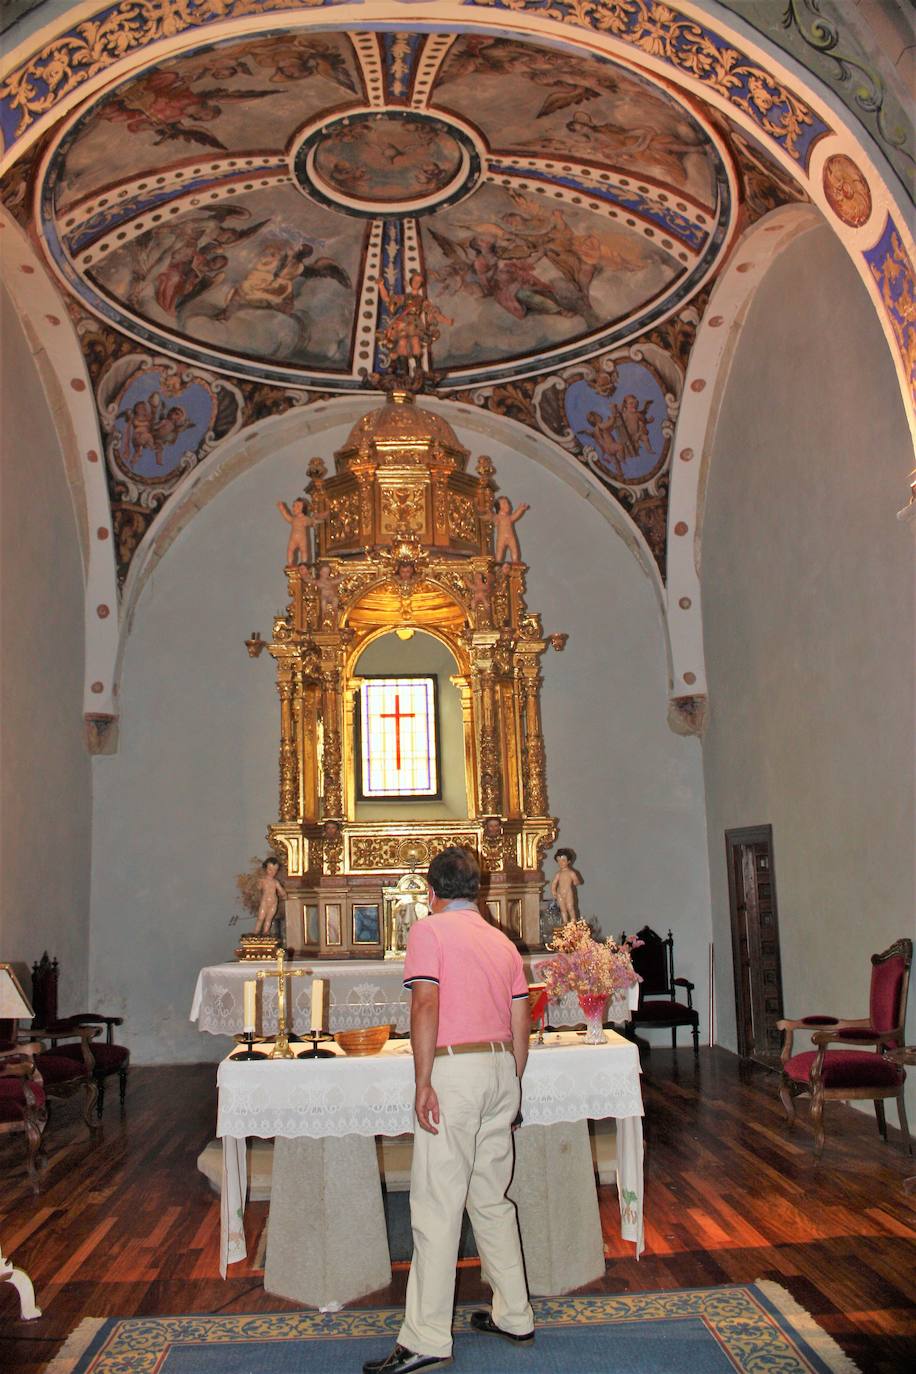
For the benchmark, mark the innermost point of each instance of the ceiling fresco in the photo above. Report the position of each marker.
(254, 206)
(236, 228)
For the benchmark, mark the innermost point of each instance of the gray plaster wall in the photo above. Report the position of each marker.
(45, 774)
(807, 582)
(187, 800)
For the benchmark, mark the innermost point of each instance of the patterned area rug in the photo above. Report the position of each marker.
(693, 1331)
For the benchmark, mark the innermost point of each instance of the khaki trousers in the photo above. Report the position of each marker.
(468, 1164)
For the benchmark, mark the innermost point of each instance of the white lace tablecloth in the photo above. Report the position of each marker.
(363, 993)
(565, 1080)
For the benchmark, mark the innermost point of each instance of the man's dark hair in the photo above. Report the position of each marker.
(455, 873)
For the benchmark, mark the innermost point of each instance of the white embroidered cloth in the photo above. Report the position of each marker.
(362, 993)
(565, 1080)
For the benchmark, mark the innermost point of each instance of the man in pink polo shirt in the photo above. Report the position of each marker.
(469, 1029)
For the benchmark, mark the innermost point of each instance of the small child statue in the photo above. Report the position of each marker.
(564, 884)
(271, 892)
(300, 523)
(505, 519)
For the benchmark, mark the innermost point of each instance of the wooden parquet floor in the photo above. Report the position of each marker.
(126, 1224)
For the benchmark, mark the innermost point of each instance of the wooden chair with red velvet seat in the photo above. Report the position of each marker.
(101, 1058)
(847, 1074)
(22, 1104)
(658, 1005)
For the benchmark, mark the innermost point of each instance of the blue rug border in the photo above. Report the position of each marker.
(578, 1302)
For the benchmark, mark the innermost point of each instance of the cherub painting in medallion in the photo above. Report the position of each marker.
(621, 418)
(623, 433)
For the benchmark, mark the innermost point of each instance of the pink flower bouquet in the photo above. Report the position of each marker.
(586, 966)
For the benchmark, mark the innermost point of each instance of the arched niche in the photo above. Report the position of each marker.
(383, 653)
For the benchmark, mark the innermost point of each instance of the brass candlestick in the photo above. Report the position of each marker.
(281, 1049)
(249, 1052)
(313, 1052)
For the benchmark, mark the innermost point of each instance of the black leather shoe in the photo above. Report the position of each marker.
(404, 1361)
(483, 1322)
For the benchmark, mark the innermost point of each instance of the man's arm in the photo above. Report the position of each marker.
(521, 1031)
(424, 1028)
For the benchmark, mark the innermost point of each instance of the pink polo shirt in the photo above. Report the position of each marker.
(478, 970)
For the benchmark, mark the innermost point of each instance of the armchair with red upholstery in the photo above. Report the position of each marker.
(97, 1059)
(22, 1105)
(660, 993)
(848, 1074)
(59, 1075)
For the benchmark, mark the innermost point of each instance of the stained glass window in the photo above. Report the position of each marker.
(398, 748)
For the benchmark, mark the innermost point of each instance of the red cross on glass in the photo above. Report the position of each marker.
(397, 715)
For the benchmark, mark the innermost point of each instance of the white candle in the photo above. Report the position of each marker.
(319, 1004)
(249, 1005)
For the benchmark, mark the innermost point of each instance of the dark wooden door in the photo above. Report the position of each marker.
(755, 941)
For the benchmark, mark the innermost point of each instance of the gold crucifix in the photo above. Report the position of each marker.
(281, 1049)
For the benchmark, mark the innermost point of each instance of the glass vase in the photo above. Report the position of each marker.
(593, 1005)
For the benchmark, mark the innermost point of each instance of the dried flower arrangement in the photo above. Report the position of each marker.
(586, 966)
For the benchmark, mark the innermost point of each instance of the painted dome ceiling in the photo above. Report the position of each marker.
(258, 206)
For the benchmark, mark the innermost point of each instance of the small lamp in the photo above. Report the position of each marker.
(14, 1005)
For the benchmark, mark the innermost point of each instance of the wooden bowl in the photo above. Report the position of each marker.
(366, 1040)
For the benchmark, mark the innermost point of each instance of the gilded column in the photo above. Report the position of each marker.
(288, 769)
(489, 745)
(331, 764)
(535, 772)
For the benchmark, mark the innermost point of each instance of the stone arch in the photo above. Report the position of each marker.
(707, 375)
(68, 391)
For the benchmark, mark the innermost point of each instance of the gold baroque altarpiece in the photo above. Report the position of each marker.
(404, 543)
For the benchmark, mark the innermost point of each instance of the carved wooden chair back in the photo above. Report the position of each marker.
(653, 960)
(101, 1059)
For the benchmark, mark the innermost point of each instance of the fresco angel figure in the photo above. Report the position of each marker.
(164, 104)
(546, 233)
(295, 59)
(271, 282)
(640, 145)
(194, 258)
(493, 264)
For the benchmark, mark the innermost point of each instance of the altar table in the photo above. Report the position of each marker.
(364, 992)
(324, 1115)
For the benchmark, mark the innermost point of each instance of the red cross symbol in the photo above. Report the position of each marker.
(397, 715)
